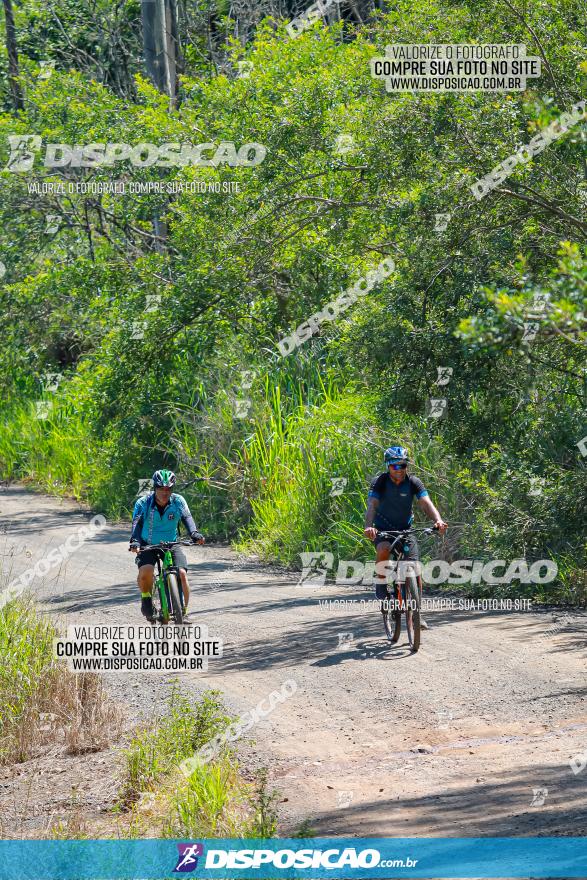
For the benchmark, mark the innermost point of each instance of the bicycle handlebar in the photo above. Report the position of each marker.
(164, 545)
(429, 530)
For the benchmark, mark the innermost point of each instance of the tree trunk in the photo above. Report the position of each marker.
(161, 59)
(11, 48)
(160, 44)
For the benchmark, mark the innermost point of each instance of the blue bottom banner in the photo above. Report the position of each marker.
(336, 857)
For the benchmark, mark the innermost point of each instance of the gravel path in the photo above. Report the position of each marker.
(374, 742)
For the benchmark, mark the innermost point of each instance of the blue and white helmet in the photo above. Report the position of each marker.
(396, 455)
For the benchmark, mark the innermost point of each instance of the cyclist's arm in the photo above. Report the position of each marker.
(138, 518)
(425, 503)
(188, 520)
(372, 505)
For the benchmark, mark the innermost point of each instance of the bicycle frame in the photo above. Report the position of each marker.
(162, 567)
(164, 563)
(400, 537)
(407, 600)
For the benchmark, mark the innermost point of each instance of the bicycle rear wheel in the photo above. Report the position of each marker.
(413, 612)
(175, 601)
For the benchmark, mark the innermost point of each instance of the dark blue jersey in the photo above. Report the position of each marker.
(395, 509)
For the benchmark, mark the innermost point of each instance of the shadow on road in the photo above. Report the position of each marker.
(477, 809)
(110, 596)
(323, 641)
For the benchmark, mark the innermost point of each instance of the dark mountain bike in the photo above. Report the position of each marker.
(406, 595)
(167, 592)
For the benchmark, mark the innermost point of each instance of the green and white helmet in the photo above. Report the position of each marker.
(163, 478)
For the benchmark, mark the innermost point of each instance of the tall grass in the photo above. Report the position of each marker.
(265, 480)
(268, 476)
(210, 803)
(41, 702)
(213, 801)
(292, 467)
(155, 750)
(54, 453)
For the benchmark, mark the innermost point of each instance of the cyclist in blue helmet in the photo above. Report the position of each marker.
(390, 508)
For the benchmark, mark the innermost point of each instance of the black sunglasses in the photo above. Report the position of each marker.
(398, 467)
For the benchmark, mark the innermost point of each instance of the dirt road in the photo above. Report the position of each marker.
(455, 740)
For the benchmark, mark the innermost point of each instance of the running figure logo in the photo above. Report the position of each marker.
(188, 857)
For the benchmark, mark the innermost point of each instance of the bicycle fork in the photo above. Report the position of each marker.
(163, 596)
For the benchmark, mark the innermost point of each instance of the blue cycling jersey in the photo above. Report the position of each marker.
(152, 526)
(394, 510)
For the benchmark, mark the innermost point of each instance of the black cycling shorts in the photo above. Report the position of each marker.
(412, 553)
(149, 557)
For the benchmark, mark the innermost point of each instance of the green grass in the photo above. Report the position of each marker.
(208, 804)
(215, 801)
(178, 734)
(290, 465)
(54, 453)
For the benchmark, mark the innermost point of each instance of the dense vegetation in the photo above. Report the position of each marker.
(44, 704)
(352, 174)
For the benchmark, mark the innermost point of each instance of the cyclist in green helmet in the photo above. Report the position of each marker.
(156, 518)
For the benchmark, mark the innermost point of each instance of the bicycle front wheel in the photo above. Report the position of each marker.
(160, 600)
(392, 621)
(174, 598)
(413, 612)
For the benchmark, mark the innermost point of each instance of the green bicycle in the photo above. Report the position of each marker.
(167, 592)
